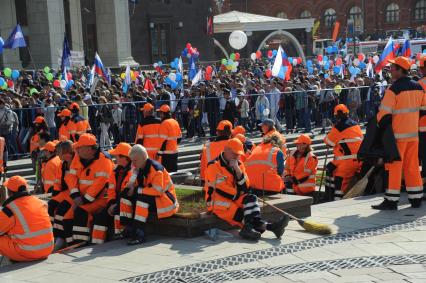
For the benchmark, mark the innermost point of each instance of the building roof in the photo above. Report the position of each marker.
(235, 20)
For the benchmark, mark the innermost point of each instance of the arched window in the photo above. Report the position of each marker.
(305, 15)
(329, 17)
(355, 15)
(282, 15)
(392, 13)
(420, 10)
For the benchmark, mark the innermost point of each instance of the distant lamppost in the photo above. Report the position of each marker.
(219, 4)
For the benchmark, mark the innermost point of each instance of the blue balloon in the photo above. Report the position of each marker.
(173, 65)
(15, 74)
(352, 70)
(173, 85)
(71, 82)
(230, 62)
(362, 65)
(176, 60)
(160, 63)
(326, 76)
(310, 70)
(325, 58)
(183, 54)
(178, 77)
(309, 63)
(357, 71)
(290, 59)
(274, 53)
(335, 49)
(336, 69)
(329, 49)
(327, 65)
(2, 81)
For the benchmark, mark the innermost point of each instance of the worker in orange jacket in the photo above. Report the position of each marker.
(116, 184)
(211, 150)
(87, 181)
(248, 144)
(227, 196)
(49, 166)
(265, 167)
(170, 136)
(61, 201)
(422, 125)
(78, 125)
(401, 106)
(149, 191)
(25, 228)
(64, 131)
(148, 133)
(345, 137)
(301, 168)
(3, 155)
(268, 129)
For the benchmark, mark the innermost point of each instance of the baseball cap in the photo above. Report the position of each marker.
(85, 140)
(147, 107)
(236, 146)
(122, 148)
(38, 120)
(240, 137)
(65, 113)
(239, 130)
(50, 146)
(15, 183)
(164, 108)
(222, 124)
(303, 139)
(401, 61)
(268, 122)
(74, 106)
(341, 107)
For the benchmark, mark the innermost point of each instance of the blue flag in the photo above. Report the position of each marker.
(1, 45)
(16, 39)
(192, 68)
(66, 54)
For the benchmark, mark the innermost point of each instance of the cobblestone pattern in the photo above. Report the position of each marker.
(187, 271)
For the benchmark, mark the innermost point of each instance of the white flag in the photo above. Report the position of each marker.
(278, 62)
(197, 78)
(180, 65)
(128, 76)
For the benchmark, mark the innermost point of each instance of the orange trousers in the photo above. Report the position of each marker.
(341, 177)
(9, 249)
(409, 166)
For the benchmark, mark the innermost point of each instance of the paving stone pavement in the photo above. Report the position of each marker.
(368, 246)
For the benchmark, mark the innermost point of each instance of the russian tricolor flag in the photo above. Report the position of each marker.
(100, 69)
(406, 49)
(282, 66)
(389, 53)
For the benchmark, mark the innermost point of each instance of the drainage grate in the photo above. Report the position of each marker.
(211, 265)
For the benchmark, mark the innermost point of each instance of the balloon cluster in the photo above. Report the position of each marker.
(175, 64)
(256, 56)
(133, 75)
(271, 54)
(332, 49)
(295, 61)
(173, 80)
(190, 52)
(231, 64)
(11, 76)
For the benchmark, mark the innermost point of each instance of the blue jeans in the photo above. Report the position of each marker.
(53, 133)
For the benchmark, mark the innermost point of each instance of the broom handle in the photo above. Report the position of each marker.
(323, 170)
(280, 210)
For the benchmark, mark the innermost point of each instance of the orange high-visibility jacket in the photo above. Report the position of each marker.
(34, 142)
(422, 122)
(403, 100)
(283, 140)
(211, 151)
(261, 167)
(170, 133)
(223, 192)
(148, 135)
(48, 173)
(304, 169)
(117, 182)
(2, 147)
(154, 180)
(78, 126)
(60, 189)
(345, 137)
(92, 181)
(64, 131)
(24, 219)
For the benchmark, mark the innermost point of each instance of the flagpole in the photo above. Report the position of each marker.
(31, 58)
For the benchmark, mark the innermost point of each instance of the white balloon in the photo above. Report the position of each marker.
(155, 65)
(172, 76)
(236, 63)
(294, 62)
(376, 59)
(238, 39)
(253, 56)
(265, 112)
(63, 84)
(356, 62)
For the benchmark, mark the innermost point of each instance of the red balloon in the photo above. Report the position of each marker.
(136, 73)
(319, 58)
(270, 54)
(299, 60)
(69, 76)
(209, 70)
(188, 45)
(268, 73)
(9, 83)
(338, 61)
(208, 77)
(258, 54)
(237, 56)
(56, 83)
(361, 57)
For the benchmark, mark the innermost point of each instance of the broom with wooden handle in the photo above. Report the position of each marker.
(309, 225)
(359, 188)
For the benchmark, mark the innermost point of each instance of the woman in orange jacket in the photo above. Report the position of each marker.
(301, 168)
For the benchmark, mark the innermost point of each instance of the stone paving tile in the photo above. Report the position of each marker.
(359, 271)
(387, 276)
(70, 278)
(416, 275)
(408, 268)
(313, 276)
(381, 249)
(282, 260)
(100, 272)
(415, 236)
(251, 280)
(355, 278)
(388, 238)
(413, 247)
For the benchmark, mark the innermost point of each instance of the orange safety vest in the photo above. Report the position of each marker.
(157, 183)
(261, 168)
(64, 131)
(113, 190)
(304, 169)
(48, 173)
(403, 100)
(422, 122)
(169, 134)
(35, 139)
(223, 192)
(148, 136)
(78, 126)
(2, 147)
(24, 219)
(283, 140)
(89, 182)
(345, 138)
(60, 188)
(210, 151)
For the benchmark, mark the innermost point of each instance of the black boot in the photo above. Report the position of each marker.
(248, 233)
(278, 227)
(416, 203)
(386, 205)
(138, 238)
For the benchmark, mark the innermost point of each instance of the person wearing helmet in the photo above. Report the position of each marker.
(268, 129)
(148, 132)
(64, 131)
(78, 124)
(301, 168)
(345, 137)
(49, 164)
